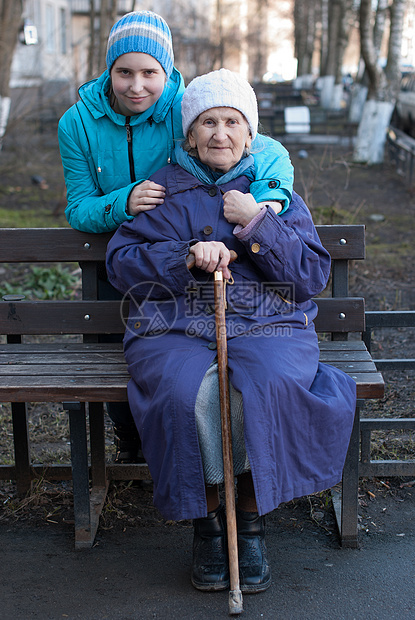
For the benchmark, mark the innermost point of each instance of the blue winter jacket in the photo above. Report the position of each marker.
(105, 154)
(298, 413)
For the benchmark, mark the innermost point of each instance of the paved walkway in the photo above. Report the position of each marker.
(143, 573)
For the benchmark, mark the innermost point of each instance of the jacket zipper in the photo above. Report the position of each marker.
(130, 148)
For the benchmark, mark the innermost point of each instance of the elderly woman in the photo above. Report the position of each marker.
(291, 415)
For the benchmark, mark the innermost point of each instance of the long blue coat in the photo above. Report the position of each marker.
(298, 413)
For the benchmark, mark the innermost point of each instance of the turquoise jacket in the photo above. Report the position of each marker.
(105, 154)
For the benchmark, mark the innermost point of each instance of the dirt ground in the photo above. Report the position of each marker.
(337, 191)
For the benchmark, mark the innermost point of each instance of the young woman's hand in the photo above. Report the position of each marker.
(211, 256)
(145, 196)
(239, 208)
(275, 205)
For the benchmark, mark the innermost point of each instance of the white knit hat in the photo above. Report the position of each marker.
(219, 89)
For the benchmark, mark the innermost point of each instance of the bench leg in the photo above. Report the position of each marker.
(21, 448)
(80, 474)
(97, 438)
(98, 467)
(346, 504)
(87, 504)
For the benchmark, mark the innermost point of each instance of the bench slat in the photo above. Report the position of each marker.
(104, 317)
(60, 359)
(342, 345)
(35, 368)
(114, 347)
(113, 353)
(98, 371)
(332, 238)
(352, 366)
(104, 389)
(369, 385)
(58, 362)
(55, 389)
(52, 364)
(340, 314)
(63, 347)
(41, 245)
(336, 355)
(93, 367)
(38, 245)
(61, 317)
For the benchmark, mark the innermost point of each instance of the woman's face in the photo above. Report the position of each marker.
(137, 81)
(220, 136)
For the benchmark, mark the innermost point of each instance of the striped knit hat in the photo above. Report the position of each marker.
(217, 89)
(145, 32)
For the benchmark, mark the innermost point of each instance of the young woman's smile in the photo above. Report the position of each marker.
(137, 82)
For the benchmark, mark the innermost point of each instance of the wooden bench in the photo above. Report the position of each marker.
(83, 374)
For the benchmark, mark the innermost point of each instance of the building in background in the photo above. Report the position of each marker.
(42, 76)
(253, 37)
(240, 35)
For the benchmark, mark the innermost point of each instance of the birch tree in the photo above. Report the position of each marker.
(305, 17)
(383, 84)
(324, 35)
(340, 14)
(10, 23)
(335, 19)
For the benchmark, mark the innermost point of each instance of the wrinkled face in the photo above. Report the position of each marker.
(220, 136)
(137, 81)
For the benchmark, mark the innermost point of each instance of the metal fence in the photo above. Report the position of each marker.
(390, 467)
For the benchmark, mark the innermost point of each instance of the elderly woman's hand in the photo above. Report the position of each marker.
(239, 208)
(144, 197)
(212, 256)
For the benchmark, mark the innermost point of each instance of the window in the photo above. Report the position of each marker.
(63, 30)
(50, 29)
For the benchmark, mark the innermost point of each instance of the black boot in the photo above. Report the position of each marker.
(254, 570)
(128, 446)
(210, 559)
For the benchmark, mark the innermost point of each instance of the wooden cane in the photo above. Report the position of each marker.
(235, 594)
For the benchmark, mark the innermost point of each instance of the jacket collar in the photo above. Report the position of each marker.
(179, 180)
(206, 175)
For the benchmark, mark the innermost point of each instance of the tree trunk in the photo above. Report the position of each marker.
(257, 39)
(219, 35)
(91, 49)
(380, 22)
(371, 134)
(383, 85)
(107, 17)
(305, 35)
(357, 102)
(339, 13)
(10, 23)
(376, 77)
(324, 35)
(310, 37)
(343, 37)
(393, 69)
(335, 13)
